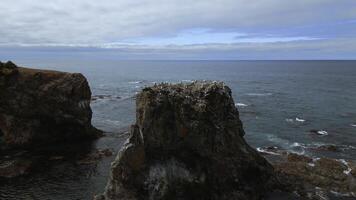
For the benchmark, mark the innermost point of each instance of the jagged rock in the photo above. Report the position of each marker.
(188, 143)
(43, 107)
(304, 174)
(353, 169)
(332, 148)
(292, 157)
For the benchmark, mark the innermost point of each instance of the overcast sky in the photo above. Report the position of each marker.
(180, 29)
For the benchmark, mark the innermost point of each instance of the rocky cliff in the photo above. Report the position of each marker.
(42, 107)
(188, 143)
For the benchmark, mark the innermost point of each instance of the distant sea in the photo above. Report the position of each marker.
(280, 103)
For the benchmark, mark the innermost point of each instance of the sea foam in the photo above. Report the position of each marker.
(240, 105)
(348, 170)
(261, 150)
(321, 132)
(299, 119)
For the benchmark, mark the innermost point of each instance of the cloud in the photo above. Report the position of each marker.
(289, 50)
(107, 21)
(199, 29)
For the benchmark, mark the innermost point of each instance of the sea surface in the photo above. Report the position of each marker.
(293, 105)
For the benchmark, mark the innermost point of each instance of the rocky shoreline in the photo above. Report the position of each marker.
(184, 132)
(187, 142)
(313, 177)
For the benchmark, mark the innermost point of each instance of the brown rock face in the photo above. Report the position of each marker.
(188, 143)
(42, 107)
(304, 174)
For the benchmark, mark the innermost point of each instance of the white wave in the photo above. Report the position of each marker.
(353, 125)
(311, 164)
(240, 105)
(259, 94)
(297, 144)
(294, 147)
(187, 81)
(259, 149)
(299, 119)
(315, 159)
(321, 132)
(348, 170)
(297, 148)
(343, 161)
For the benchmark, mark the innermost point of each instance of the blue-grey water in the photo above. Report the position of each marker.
(279, 103)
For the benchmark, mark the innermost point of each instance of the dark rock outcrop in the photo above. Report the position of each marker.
(43, 107)
(331, 148)
(308, 176)
(188, 143)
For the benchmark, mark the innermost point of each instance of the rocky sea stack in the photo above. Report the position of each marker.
(40, 107)
(188, 143)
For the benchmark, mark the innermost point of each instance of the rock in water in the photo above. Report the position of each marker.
(42, 107)
(188, 143)
(306, 176)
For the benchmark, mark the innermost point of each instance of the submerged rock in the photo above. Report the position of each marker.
(292, 157)
(43, 107)
(318, 132)
(332, 148)
(188, 143)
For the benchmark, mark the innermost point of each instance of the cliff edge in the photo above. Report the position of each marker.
(41, 107)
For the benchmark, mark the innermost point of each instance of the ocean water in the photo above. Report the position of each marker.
(280, 102)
